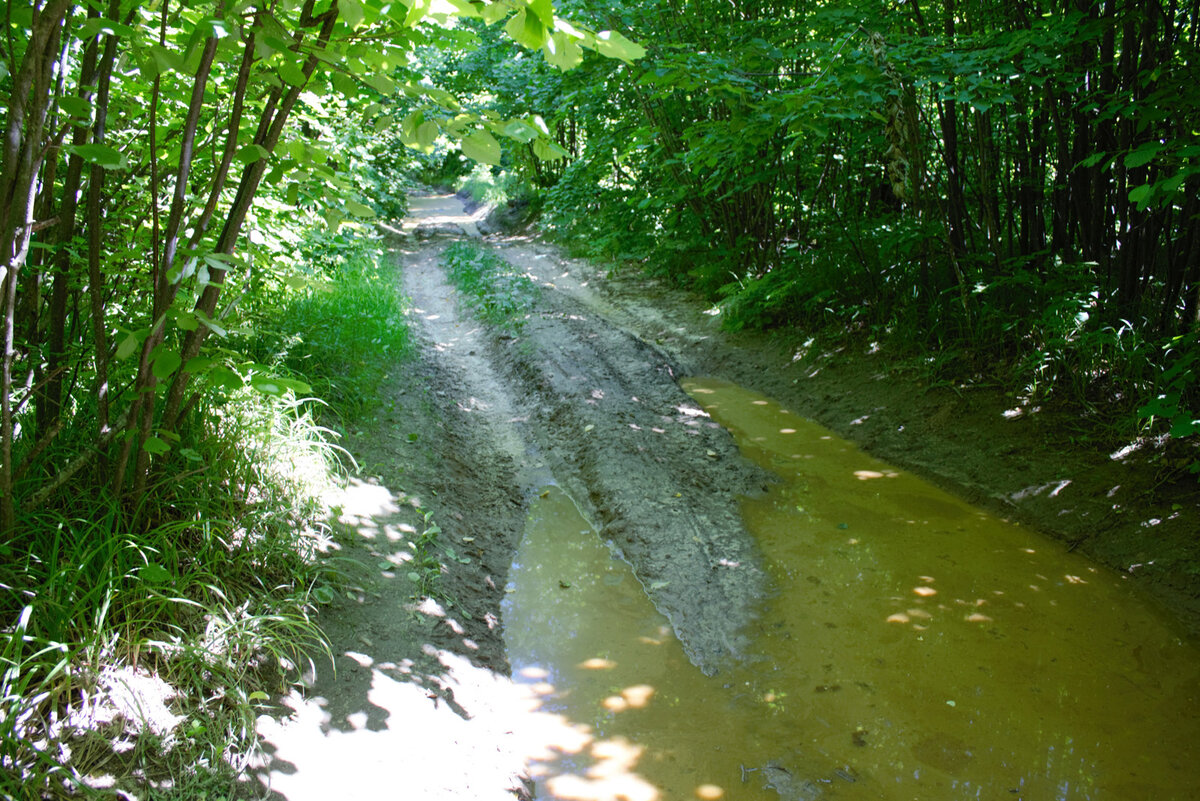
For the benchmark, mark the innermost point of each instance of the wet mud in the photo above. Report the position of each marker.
(586, 397)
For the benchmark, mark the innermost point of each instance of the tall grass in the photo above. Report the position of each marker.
(345, 331)
(140, 653)
(138, 645)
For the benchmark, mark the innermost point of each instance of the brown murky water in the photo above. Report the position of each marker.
(917, 649)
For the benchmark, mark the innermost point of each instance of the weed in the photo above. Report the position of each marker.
(425, 567)
(494, 289)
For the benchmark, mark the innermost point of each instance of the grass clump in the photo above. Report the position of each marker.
(344, 331)
(494, 289)
(138, 646)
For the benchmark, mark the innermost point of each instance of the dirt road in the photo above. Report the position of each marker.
(585, 396)
(480, 423)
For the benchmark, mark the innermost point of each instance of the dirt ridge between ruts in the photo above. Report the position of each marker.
(1039, 464)
(655, 475)
(589, 406)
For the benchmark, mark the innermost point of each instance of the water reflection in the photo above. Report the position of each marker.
(916, 648)
(581, 631)
(978, 658)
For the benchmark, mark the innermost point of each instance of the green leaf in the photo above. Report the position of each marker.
(187, 321)
(291, 72)
(380, 83)
(481, 146)
(544, 11)
(252, 153)
(100, 155)
(520, 130)
(225, 378)
(333, 218)
(416, 12)
(75, 106)
(527, 30)
(1184, 426)
(1143, 155)
(359, 209)
(493, 12)
(165, 364)
(465, 8)
(127, 347)
(426, 134)
(218, 261)
(562, 51)
(1173, 183)
(155, 446)
(154, 573)
(548, 149)
(1140, 195)
(275, 385)
(164, 60)
(212, 324)
(97, 25)
(267, 386)
(351, 11)
(615, 45)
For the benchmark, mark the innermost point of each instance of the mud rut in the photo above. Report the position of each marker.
(582, 396)
(579, 399)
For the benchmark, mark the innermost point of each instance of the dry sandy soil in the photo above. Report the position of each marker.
(420, 705)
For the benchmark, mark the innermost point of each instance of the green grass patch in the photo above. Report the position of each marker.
(344, 333)
(138, 654)
(494, 289)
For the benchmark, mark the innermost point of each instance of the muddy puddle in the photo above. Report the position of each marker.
(915, 648)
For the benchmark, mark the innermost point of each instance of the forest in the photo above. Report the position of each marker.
(1001, 193)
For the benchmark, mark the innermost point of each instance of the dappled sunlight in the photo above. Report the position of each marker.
(408, 716)
(635, 697)
(361, 501)
(942, 651)
(867, 475)
(597, 663)
(611, 778)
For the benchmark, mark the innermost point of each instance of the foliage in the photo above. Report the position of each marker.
(1178, 391)
(496, 291)
(1017, 184)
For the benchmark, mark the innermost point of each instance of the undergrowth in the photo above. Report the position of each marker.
(141, 654)
(138, 645)
(343, 330)
(495, 290)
